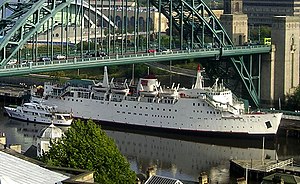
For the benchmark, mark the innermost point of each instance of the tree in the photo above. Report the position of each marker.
(86, 146)
(293, 100)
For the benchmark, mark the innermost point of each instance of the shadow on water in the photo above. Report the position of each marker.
(222, 140)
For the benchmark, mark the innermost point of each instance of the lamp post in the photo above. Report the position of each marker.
(117, 49)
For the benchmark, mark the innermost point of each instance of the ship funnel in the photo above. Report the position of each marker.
(198, 84)
(105, 82)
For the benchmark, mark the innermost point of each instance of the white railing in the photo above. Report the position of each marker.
(279, 165)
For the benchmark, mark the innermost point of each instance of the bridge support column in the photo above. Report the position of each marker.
(285, 37)
(268, 79)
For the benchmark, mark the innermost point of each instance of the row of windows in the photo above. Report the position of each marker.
(126, 105)
(151, 108)
(153, 115)
(207, 112)
(199, 104)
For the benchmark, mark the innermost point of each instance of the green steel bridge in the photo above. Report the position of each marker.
(51, 35)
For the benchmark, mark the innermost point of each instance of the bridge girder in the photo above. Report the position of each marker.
(21, 27)
(195, 22)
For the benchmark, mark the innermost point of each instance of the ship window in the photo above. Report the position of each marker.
(134, 113)
(115, 104)
(164, 109)
(140, 114)
(120, 105)
(198, 104)
(158, 109)
(203, 104)
(193, 104)
(134, 106)
(129, 112)
(170, 110)
(141, 107)
(146, 107)
(146, 114)
(175, 110)
(118, 111)
(151, 108)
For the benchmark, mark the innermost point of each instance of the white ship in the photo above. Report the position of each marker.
(39, 113)
(199, 109)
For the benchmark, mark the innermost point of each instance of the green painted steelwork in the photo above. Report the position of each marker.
(196, 25)
(24, 26)
(76, 63)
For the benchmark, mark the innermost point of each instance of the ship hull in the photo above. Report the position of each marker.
(15, 114)
(169, 132)
(181, 116)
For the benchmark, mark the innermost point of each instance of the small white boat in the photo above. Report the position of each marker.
(39, 113)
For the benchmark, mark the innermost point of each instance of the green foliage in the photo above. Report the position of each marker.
(86, 146)
(293, 100)
(261, 32)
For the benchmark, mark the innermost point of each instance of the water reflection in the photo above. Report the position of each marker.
(178, 158)
(182, 159)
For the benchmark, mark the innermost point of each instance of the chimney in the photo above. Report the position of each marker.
(241, 180)
(203, 178)
(138, 181)
(151, 172)
(16, 147)
(2, 139)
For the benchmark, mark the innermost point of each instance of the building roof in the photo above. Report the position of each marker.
(51, 132)
(162, 180)
(287, 178)
(16, 170)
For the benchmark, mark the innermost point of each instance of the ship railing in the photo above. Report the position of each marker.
(212, 102)
(64, 91)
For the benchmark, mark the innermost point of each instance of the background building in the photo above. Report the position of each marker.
(262, 11)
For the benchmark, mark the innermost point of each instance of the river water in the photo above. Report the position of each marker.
(177, 156)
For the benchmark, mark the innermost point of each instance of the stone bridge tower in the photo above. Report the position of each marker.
(280, 71)
(285, 37)
(235, 21)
